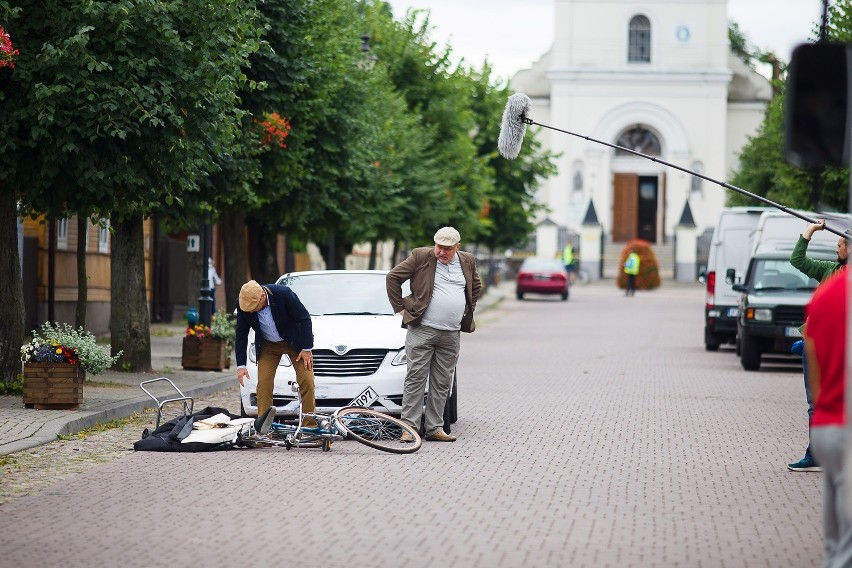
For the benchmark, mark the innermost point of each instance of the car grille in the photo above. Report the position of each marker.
(358, 362)
(790, 315)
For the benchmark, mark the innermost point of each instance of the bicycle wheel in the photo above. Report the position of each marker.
(377, 430)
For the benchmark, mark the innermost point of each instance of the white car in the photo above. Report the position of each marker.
(359, 346)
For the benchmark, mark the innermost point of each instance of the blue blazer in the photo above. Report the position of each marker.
(291, 319)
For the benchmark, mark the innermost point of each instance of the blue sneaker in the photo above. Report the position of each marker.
(807, 463)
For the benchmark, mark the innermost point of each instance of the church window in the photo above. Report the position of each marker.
(639, 40)
(639, 139)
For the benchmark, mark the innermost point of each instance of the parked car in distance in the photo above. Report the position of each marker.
(359, 347)
(541, 276)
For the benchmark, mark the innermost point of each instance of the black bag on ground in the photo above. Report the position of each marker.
(167, 438)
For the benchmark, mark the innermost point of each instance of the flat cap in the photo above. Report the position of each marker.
(447, 236)
(250, 296)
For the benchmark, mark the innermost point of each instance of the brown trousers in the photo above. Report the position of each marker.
(267, 364)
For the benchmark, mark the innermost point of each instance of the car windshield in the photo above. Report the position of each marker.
(342, 293)
(779, 274)
(541, 265)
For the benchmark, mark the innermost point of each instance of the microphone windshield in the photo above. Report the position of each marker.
(513, 127)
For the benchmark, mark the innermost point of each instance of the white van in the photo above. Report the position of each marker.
(726, 265)
(774, 294)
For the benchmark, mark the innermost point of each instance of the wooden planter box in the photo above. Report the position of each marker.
(204, 354)
(53, 386)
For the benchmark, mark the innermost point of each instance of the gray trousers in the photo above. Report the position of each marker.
(432, 355)
(828, 446)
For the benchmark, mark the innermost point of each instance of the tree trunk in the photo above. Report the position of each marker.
(236, 261)
(129, 322)
(262, 262)
(334, 253)
(12, 307)
(395, 254)
(373, 246)
(51, 270)
(82, 276)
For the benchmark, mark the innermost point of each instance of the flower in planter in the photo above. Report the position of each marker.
(199, 330)
(61, 343)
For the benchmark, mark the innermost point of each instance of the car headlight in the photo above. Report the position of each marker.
(400, 358)
(252, 355)
(759, 314)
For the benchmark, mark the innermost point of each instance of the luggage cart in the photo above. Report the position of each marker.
(187, 401)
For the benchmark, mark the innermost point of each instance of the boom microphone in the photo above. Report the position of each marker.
(514, 126)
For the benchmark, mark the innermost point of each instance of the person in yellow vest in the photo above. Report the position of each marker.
(631, 269)
(568, 261)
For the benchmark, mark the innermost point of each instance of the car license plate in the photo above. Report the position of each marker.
(733, 312)
(793, 332)
(365, 399)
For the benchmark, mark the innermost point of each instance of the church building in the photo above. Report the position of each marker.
(657, 77)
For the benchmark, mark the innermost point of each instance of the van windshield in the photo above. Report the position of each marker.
(779, 274)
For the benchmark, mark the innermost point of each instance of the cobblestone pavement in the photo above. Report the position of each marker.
(28, 472)
(594, 432)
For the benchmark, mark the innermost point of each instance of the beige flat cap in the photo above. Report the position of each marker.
(447, 236)
(250, 296)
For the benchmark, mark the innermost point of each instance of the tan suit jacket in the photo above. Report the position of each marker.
(419, 269)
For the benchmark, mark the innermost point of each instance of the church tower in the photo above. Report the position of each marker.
(654, 76)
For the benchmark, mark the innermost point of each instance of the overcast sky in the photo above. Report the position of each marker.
(513, 34)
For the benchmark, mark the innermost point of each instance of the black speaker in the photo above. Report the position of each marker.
(816, 113)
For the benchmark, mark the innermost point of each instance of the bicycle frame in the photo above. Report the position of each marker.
(369, 427)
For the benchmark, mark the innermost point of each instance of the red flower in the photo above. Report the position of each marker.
(7, 50)
(274, 129)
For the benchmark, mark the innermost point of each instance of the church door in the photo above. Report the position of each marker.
(634, 208)
(624, 207)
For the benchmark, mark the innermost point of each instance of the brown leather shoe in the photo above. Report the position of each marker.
(406, 437)
(440, 436)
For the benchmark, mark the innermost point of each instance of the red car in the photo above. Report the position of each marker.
(541, 276)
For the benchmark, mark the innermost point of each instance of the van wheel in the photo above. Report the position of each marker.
(711, 342)
(749, 352)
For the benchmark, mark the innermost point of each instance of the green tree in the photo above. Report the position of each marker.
(763, 168)
(120, 109)
(511, 204)
(440, 96)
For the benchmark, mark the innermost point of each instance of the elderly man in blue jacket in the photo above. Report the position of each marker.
(282, 326)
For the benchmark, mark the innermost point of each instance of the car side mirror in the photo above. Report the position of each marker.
(739, 288)
(730, 276)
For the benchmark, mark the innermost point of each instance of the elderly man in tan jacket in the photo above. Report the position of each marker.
(445, 287)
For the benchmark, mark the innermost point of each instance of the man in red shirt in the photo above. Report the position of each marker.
(825, 347)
